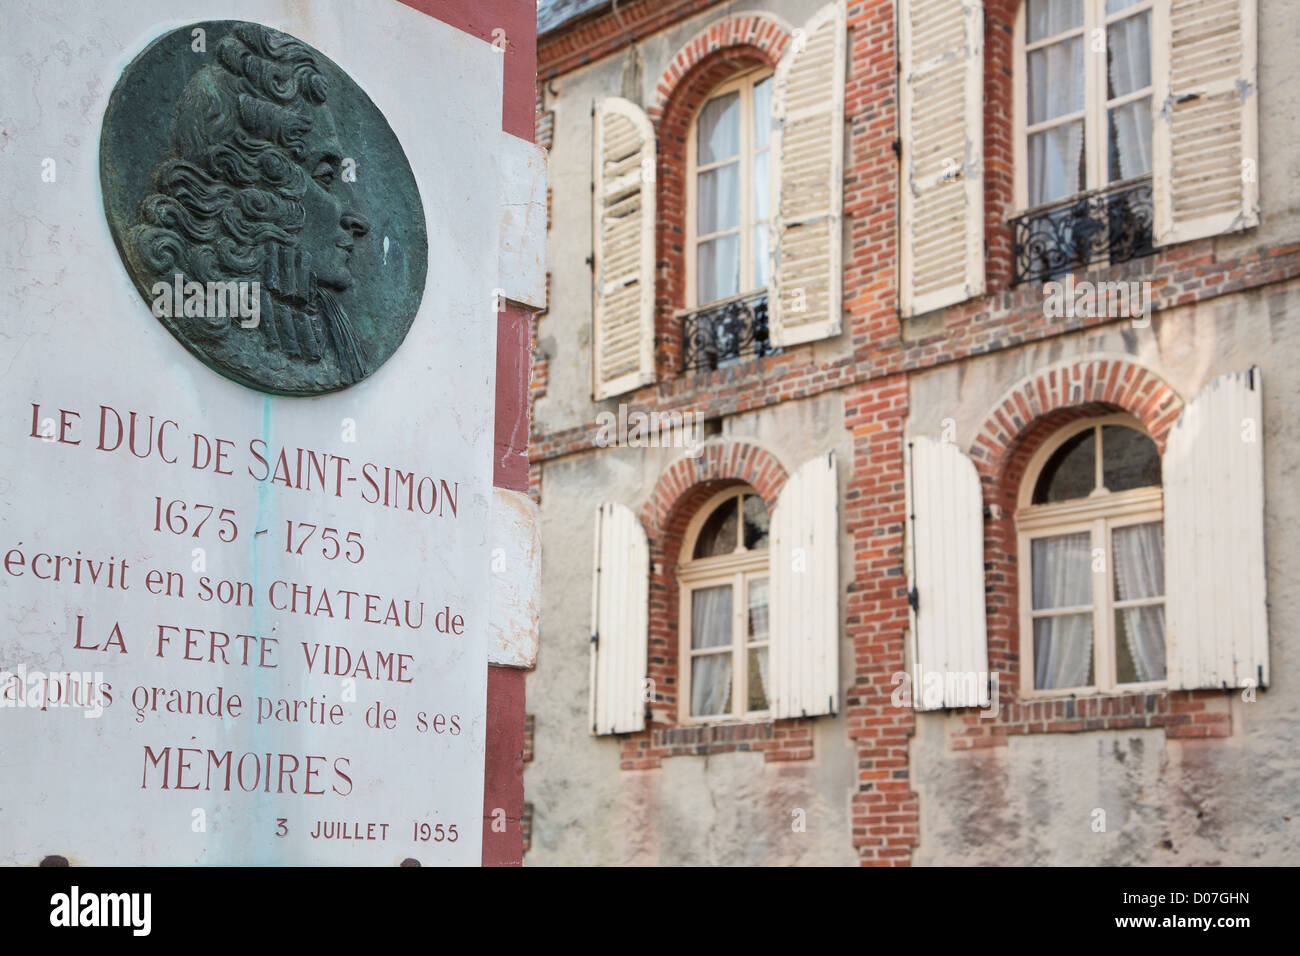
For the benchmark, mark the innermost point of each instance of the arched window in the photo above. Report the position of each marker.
(724, 609)
(1092, 571)
(729, 186)
(1085, 87)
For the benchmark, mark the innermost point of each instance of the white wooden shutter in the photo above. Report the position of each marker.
(941, 116)
(945, 555)
(623, 238)
(1206, 140)
(808, 113)
(1216, 608)
(619, 607)
(804, 569)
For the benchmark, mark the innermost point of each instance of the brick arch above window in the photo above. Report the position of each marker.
(746, 33)
(718, 461)
(1091, 384)
(725, 48)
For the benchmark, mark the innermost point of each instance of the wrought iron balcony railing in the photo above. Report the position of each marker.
(1109, 225)
(721, 335)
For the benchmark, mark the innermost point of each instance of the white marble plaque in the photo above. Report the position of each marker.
(240, 628)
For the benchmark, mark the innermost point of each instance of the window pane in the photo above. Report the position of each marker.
(1129, 459)
(762, 113)
(1062, 571)
(1071, 472)
(758, 617)
(718, 129)
(718, 264)
(1056, 80)
(757, 679)
(1047, 18)
(718, 536)
(761, 263)
(1140, 644)
(711, 617)
(1128, 52)
(711, 685)
(719, 199)
(1063, 651)
(1056, 163)
(1116, 6)
(1130, 140)
(1139, 561)
(762, 186)
(756, 522)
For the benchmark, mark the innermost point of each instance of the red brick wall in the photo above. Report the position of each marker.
(884, 814)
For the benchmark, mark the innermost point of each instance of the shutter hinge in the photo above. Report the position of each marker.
(595, 639)
(897, 147)
(591, 262)
(914, 599)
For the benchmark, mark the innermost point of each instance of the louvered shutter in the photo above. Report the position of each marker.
(1206, 139)
(619, 606)
(623, 236)
(808, 108)
(941, 256)
(945, 555)
(805, 589)
(1216, 602)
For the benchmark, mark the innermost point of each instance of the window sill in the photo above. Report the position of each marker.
(1180, 714)
(1094, 693)
(776, 740)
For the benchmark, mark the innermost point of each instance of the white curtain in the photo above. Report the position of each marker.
(711, 628)
(1062, 577)
(1056, 87)
(1046, 18)
(1129, 44)
(1140, 573)
(758, 631)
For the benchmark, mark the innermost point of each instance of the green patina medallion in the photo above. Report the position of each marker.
(263, 207)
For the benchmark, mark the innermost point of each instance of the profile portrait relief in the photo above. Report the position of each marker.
(263, 208)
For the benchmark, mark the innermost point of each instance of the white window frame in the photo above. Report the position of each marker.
(743, 84)
(736, 570)
(1099, 515)
(1095, 112)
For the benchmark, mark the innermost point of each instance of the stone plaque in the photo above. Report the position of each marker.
(244, 584)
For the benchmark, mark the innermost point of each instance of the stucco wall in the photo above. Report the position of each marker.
(1167, 802)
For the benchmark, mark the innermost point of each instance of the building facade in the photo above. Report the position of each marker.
(912, 433)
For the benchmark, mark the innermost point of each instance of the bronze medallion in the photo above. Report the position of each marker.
(263, 207)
